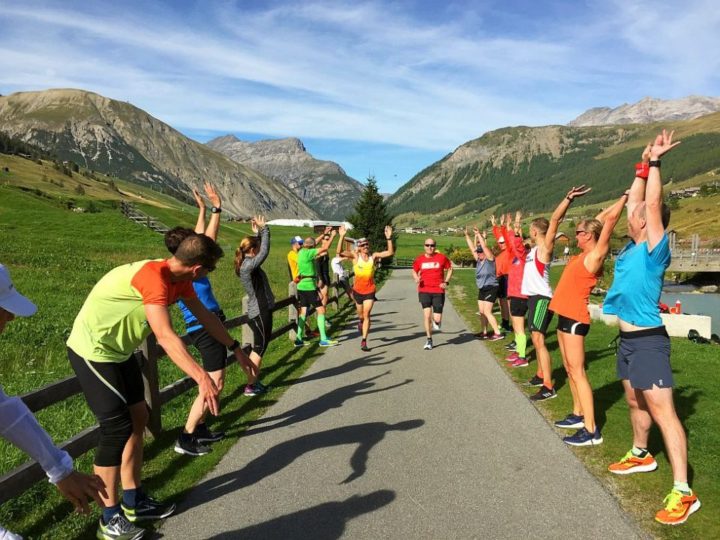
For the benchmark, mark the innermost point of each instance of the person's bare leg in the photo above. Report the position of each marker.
(486, 310)
(543, 359)
(132, 457)
(577, 408)
(427, 319)
(198, 410)
(640, 418)
(366, 309)
(662, 409)
(575, 350)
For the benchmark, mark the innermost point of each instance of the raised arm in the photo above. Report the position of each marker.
(326, 242)
(251, 263)
(200, 224)
(470, 243)
(636, 194)
(653, 192)
(480, 239)
(338, 249)
(610, 216)
(214, 225)
(556, 219)
(390, 251)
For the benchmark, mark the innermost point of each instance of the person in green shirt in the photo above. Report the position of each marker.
(307, 287)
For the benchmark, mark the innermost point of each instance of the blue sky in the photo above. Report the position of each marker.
(379, 87)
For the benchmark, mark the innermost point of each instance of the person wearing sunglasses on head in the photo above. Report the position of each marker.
(363, 290)
(125, 306)
(19, 427)
(432, 272)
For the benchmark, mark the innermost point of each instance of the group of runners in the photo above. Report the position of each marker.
(133, 300)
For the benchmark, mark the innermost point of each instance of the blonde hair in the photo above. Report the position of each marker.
(246, 244)
(593, 226)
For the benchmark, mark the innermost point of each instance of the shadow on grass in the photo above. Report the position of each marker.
(327, 521)
(364, 436)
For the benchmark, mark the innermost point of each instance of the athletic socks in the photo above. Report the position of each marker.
(109, 512)
(639, 452)
(682, 486)
(321, 326)
(131, 497)
(301, 328)
(520, 344)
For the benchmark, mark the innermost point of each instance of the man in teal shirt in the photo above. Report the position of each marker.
(308, 294)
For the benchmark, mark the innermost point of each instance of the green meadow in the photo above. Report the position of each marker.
(697, 399)
(55, 257)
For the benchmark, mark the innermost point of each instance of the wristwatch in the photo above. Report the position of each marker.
(216, 210)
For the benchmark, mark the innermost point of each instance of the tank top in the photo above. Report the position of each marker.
(573, 291)
(536, 276)
(485, 274)
(364, 275)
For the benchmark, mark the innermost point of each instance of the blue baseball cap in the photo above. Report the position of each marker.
(296, 240)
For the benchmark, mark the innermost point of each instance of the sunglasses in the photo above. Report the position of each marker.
(429, 245)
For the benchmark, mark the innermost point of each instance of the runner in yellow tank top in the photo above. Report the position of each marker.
(364, 285)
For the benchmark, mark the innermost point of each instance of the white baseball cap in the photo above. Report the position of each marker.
(10, 299)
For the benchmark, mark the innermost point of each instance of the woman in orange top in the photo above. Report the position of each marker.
(363, 290)
(570, 303)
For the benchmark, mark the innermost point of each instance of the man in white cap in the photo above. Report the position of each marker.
(19, 426)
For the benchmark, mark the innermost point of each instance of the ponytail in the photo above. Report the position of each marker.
(246, 244)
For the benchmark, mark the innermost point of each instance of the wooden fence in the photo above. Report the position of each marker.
(22, 478)
(138, 216)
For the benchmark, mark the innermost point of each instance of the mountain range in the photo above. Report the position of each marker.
(323, 185)
(117, 138)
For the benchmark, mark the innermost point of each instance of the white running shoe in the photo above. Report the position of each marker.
(436, 326)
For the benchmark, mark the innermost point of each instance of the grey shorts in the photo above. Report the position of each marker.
(643, 358)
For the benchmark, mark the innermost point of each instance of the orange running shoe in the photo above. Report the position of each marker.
(630, 464)
(678, 507)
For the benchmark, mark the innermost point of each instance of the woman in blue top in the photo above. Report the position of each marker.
(487, 284)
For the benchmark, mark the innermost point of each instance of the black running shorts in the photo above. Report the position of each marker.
(539, 314)
(360, 298)
(571, 326)
(643, 358)
(436, 301)
(518, 306)
(502, 286)
(488, 294)
(309, 298)
(213, 353)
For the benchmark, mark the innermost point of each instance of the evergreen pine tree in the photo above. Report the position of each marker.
(370, 216)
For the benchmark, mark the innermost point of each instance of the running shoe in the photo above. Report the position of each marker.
(261, 387)
(204, 435)
(148, 508)
(519, 362)
(364, 346)
(571, 421)
(482, 336)
(630, 464)
(495, 337)
(299, 343)
(512, 357)
(678, 507)
(511, 346)
(428, 345)
(436, 326)
(535, 381)
(250, 390)
(189, 445)
(118, 528)
(328, 342)
(584, 438)
(543, 394)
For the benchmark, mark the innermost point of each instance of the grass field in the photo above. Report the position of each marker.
(55, 257)
(697, 399)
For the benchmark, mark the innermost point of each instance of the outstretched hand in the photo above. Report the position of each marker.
(342, 230)
(388, 232)
(77, 487)
(212, 194)
(662, 145)
(578, 191)
(258, 222)
(646, 153)
(198, 199)
(492, 219)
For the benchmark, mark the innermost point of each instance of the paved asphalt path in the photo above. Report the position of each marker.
(401, 443)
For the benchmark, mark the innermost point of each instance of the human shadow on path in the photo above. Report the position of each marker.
(363, 360)
(315, 407)
(325, 521)
(365, 436)
(387, 341)
(462, 337)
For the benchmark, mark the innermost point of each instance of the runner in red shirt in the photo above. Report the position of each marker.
(502, 269)
(432, 272)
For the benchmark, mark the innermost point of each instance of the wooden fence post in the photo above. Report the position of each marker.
(248, 337)
(149, 350)
(292, 311)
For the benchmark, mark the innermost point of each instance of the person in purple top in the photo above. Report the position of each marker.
(194, 438)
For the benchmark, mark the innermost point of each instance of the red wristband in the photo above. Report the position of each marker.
(642, 170)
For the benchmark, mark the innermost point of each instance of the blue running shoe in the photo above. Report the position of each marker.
(571, 421)
(299, 343)
(584, 438)
(328, 342)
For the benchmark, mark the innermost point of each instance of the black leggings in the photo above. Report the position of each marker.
(261, 327)
(110, 388)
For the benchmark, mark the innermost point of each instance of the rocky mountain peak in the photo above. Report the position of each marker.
(649, 110)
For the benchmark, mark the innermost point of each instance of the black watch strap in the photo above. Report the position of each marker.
(235, 345)
(654, 163)
(216, 210)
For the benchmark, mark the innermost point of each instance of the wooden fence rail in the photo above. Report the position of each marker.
(22, 478)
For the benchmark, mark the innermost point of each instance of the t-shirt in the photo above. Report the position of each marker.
(636, 289)
(306, 269)
(432, 272)
(204, 292)
(337, 267)
(292, 259)
(112, 322)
